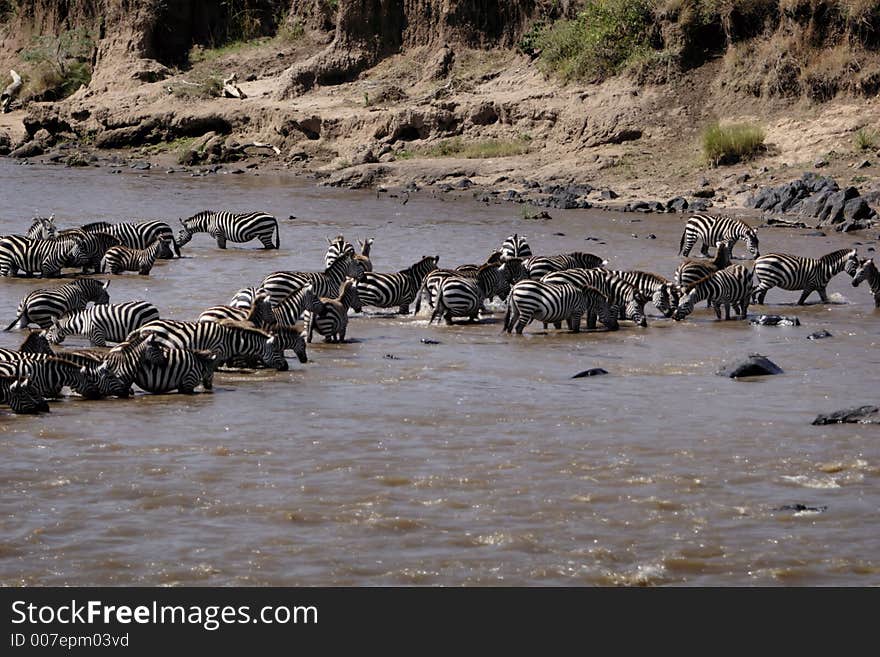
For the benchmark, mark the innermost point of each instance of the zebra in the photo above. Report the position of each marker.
(330, 316)
(286, 337)
(280, 284)
(553, 303)
(432, 281)
(461, 296)
(292, 307)
(19, 393)
(108, 322)
(181, 369)
(867, 271)
(90, 249)
(711, 229)
(339, 246)
(660, 290)
(46, 256)
(138, 235)
(123, 258)
(625, 297)
(234, 227)
(398, 289)
(539, 266)
(42, 306)
(42, 228)
(515, 246)
(259, 313)
(791, 272)
(730, 286)
(227, 339)
(691, 271)
(50, 374)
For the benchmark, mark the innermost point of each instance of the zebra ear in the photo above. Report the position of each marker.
(180, 219)
(106, 284)
(329, 241)
(271, 340)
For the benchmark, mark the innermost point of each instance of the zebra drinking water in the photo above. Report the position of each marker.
(42, 306)
(791, 272)
(123, 258)
(137, 235)
(730, 286)
(711, 229)
(20, 394)
(232, 227)
(661, 291)
(107, 322)
(626, 298)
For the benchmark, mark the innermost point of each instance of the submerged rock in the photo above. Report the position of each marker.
(799, 508)
(819, 335)
(595, 371)
(775, 320)
(754, 365)
(855, 415)
(430, 341)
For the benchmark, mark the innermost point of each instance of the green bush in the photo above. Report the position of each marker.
(600, 41)
(866, 140)
(732, 143)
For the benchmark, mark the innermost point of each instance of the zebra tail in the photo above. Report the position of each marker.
(14, 322)
(507, 317)
(681, 244)
(277, 236)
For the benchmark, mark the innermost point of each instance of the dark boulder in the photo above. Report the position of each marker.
(706, 192)
(677, 204)
(609, 194)
(854, 415)
(754, 365)
(30, 149)
(820, 335)
(595, 371)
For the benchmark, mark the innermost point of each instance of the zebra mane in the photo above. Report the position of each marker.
(36, 343)
(125, 348)
(834, 255)
(285, 329)
(494, 258)
(688, 288)
(243, 326)
(94, 226)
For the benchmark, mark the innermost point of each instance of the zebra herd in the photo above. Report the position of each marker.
(286, 308)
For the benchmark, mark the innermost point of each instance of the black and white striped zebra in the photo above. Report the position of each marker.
(180, 369)
(49, 374)
(691, 271)
(90, 249)
(867, 271)
(231, 227)
(111, 322)
(728, 287)
(42, 306)
(19, 393)
(330, 316)
(259, 313)
(537, 267)
(660, 290)
(791, 272)
(461, 296)
(42, 228)
(711, 229)
(228, 340)
(396, 290)
(628, 300)
(554, 303)
(515, 246)
(339, 246)
(431, 282)
(123, 258)
(294, 306)
(138, 235)
(280, 284)
(47, 257)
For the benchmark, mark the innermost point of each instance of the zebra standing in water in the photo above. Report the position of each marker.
(339, 246)
(691, 271)
(107, 322)
(867, 271)
(791, 272)
(40, 307)
(49, 374)
(711, 229)
(539, 266)
(281, 284)
(553, 303)
(180, 369)
(661, 291)
(122, 258)
(259, 313)
(44, 256)
(20, 394)
(398, 289)
(330, 316)
(515, 246)
(629, 301)
(229, 226)
(90, 249)
(728, 287)
(137, 235)
(461, 296)
(432, 281)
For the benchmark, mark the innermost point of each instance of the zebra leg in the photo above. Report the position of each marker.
(267, 242)
(556, 325)
(726, 311)
(221, 241)
(97, 337)
(717, 308)
(591, 320)
(759, 293)
(404, 309)
(574, 323)
(823, 295)
(521, 323)
(804, 296)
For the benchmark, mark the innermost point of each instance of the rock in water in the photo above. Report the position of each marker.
(754, 365)
(775, 320)
(818, 335)
(855, 415)
(595, 371)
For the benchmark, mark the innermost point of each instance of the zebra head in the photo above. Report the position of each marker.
(852, 264)
(292, 337)
(635, 310)
(366, 246)
(513, 270)
(348, 295)
(273, 355)
(185, 234)
(56, 333)
(86, 384)
(665, 298)
(42, 228)
(109, 384)
(24, 397)
(751, 238)
(338, 247)
(206, 361)
(101, 295)
(863, 271)
(685, 307)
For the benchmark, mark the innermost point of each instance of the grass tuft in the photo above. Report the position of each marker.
(732, 143)
(866, 140)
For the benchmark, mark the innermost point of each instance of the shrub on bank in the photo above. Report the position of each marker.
(728, 144)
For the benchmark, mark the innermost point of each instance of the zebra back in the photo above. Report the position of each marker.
(515, 246)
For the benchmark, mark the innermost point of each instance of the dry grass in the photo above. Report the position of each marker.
(458, 147)
(728, 144)
(866, 139)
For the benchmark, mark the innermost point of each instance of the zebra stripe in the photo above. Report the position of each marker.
(281, 284)
(460, 296)
(90, 249)
(108, 322)
(44, 256)
(226, 339)
(711, 229)
(538, 266)
(42, 306)
(42, 228)
(730, 286)
(628, 300)
(691, 271)
(259, 313)
(180, 369)
(126, 358)
(791, 272)
(867, 271)
(553, 303)
(292, 308)
(398, 289)
(20, 394)
(232, 227)
(139, 235)
(123, 258)
(515, 246)
(660, 290)
(330, 316)
(432, 281)
(244, 298)
(50, 374)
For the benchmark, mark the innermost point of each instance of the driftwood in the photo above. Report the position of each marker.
(231, 89)
(10, 92)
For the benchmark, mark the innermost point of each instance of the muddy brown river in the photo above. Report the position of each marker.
(476, 461)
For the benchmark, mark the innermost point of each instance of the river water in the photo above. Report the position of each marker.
(476, 461)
